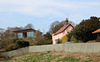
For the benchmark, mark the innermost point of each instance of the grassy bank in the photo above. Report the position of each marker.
(53, 57)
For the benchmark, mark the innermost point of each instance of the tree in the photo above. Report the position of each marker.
(29, 26)
(2, 33)
(84, 30)
(41, 40)
(93, 23)
(7, 36)
(72, 23)
(48, 35)
(38, 33)
(82, 33)
(55, 26)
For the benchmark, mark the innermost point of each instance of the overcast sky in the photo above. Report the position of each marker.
(41, 13)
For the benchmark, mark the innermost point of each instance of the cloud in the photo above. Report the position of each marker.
(42, 7)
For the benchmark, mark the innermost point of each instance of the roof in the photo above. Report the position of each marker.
(24, 30)
(62, 29)
(96, 31)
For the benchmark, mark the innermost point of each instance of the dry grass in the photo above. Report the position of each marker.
(55, 57)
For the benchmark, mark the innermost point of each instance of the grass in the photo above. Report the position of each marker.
(44, 57)
(72, 59)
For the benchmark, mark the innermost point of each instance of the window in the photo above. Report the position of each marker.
(30, 34)
(19, 35)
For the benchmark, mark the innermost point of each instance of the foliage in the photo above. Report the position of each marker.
(73, 39)
(82, 33)
(38, 33)
(70, 35)
(11, 47)
(98, 39)
(93, 23)
(31, 40)
(21, 43)
(59, 41)
(84, 30)
(64, 39)
(55, 26)
(6, 41)
(29, 26)
(43, 41)
(48, 35)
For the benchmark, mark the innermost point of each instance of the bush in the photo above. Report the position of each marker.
(98, 39)
(31, 40)
(5, 42)
(21, 43)
(70, 35)
(14, 40)
(11, 47)
(73, 39)
(43, 42)
(64, 39)
(59, 41)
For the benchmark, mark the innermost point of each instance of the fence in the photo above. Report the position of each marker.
(72, 47)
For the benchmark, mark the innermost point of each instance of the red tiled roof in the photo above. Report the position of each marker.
(62, 29)
(96, 31)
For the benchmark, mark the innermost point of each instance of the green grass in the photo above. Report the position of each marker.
(44, 57)
(40, 57)
(72, 59)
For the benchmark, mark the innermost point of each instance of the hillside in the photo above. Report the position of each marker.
(54, 57)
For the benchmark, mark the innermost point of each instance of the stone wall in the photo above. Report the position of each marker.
(72, 47)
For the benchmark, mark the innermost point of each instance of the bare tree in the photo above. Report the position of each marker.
(55, 26)
(29, 26)
(1, 33)
(72, 23)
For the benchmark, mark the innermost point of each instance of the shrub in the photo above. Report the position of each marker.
(21, 43)
(11, 47)
(31, 40)
(70, 35)
(73, 39)
(98, 39)
(64, 39)
(43, 42)
(5, 42)
(14, 40)
(59, 41)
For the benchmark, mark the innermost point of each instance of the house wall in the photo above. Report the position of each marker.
(60, 35)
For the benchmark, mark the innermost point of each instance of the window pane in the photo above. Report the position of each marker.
(20, 35)
(30, 34)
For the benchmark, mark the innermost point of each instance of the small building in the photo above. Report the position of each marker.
(96, 34)
(21, 34)
(62, 32)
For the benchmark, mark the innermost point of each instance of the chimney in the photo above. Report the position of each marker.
(66, 21)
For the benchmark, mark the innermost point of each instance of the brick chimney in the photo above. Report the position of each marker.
(66, 21)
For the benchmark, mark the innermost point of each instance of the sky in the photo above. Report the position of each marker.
(41, 13)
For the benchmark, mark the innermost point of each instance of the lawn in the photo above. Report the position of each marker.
(53, 57)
